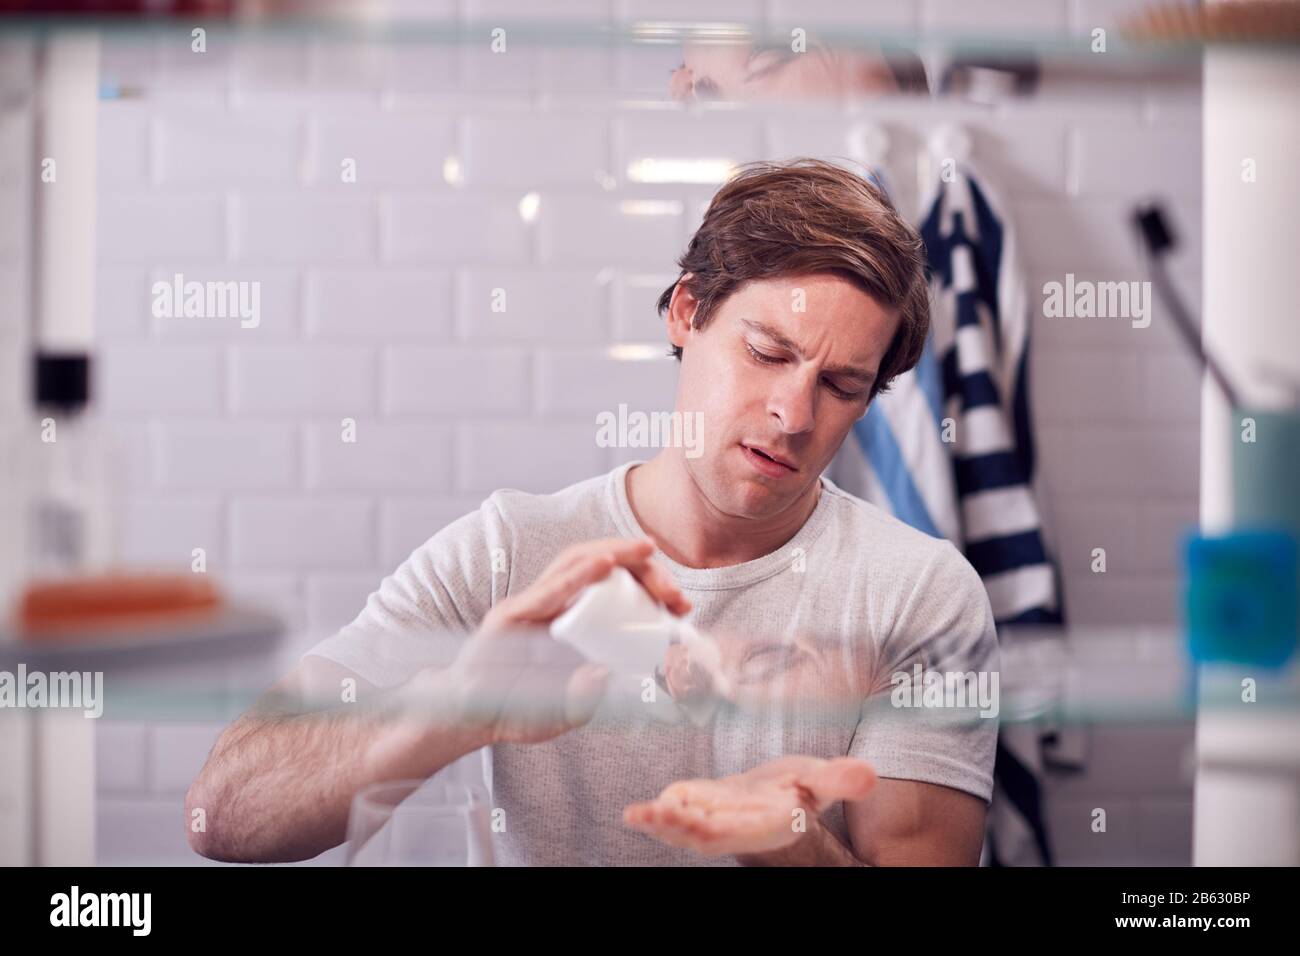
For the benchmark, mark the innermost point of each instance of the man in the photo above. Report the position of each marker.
(801, 295)
(747, 68)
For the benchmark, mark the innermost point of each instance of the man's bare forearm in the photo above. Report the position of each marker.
(278, 785)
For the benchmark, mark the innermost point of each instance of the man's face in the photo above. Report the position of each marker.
(742, 71)
(783, 368)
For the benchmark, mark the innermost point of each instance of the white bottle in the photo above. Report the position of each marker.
(615, 622)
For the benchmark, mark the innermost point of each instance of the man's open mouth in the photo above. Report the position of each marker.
(770, 461)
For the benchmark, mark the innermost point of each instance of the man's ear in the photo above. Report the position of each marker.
(681, 313)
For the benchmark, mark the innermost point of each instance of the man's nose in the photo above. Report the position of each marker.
(794, 402)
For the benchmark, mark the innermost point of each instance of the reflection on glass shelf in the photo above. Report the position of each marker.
(1126, 674)
(558, 31)
(709, 60)
(1092, 675)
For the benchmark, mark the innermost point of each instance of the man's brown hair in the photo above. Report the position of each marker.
(804, 216)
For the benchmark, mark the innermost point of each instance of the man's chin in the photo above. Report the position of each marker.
(744, 494)
(754, 498)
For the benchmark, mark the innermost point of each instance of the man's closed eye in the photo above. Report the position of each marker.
(766, 661)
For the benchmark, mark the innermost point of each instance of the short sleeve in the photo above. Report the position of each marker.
(421, 612)
(933, 712)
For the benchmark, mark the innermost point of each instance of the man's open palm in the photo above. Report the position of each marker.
(763, 809)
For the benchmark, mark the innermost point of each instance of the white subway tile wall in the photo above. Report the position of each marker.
(478, 179)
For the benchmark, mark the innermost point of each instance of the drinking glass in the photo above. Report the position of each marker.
(420, 823)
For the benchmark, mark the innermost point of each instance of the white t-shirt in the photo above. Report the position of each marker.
(851, 574)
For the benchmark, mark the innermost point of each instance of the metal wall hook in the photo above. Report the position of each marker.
(950, 141)
(868, 143)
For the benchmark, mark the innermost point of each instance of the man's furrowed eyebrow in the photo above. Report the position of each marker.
(848, 371)
(784, 342)
(764, 329)
(786, 58)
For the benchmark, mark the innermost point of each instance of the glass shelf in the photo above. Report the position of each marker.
(560, 31)
(625, 60)
(1123, 676)
(1123, 56)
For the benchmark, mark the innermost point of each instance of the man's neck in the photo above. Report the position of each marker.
(691, 530)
